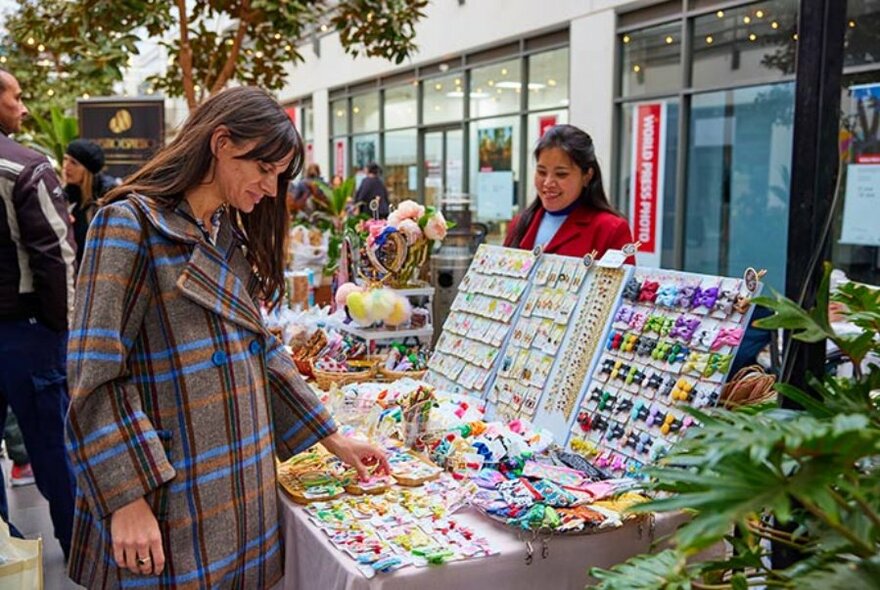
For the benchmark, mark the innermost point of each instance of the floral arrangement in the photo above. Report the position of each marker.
(404, 240)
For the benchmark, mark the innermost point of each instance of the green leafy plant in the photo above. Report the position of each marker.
(333, 213)
(55, 133)
(808, 480)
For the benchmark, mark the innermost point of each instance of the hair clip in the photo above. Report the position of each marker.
(603, 460)
(634, 468)
(599, 423)
(624, 314)
(645, 346)
(670, 424)
(705, 298)
(705, 398)
(677, 353)
(608, 366)
(634, 376)
(686, 423)
(661, 351)
(630, 341)
(706, 337)
(655, 415)
(696, 362)
(623, 405)
(648, 292)
(668, 385)
(685, 297)
(620, 370)
(644, 442)
(727, 337)
(659, 323)
(606, 400)
(631, 290)
(682, 390)
(584, 420)
(742, 303)
(717, 363)
(658, 451)
(655, 380)
(724, 303)
(615, 432)
(684, 328)
(666, 296)
(639, 411)
(618, 463)
(614, 339)
(638, 321)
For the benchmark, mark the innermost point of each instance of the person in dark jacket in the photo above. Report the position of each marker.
(37, 259)
(370, 188)
(84, 184)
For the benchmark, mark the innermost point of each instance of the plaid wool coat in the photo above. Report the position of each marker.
(179, 395)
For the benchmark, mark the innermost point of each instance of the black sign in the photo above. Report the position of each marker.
(129, 130)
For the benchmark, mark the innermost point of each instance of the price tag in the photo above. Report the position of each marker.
(612, 259)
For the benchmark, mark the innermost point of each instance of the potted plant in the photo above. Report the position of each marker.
(807, 480)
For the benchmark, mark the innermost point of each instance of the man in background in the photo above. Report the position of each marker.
(37, 258)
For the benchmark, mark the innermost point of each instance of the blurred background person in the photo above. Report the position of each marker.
(372, 187)
(84, 184)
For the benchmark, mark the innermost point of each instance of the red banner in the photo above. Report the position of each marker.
(545, 123)
(339, 168)
(647, 171)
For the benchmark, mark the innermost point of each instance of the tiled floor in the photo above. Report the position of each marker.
(29, 511)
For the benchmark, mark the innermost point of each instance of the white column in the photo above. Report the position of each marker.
(591, 86)
(321, 127)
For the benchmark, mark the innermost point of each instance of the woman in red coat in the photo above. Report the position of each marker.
(572, 215)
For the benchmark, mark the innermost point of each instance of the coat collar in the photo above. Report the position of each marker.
(218, 278)
(571, 229)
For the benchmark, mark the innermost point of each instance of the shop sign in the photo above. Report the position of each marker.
(646, 178)
(545, 123)
(861, 205)
(130, 131)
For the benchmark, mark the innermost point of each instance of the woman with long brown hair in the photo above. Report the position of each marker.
(571, 215)
(180, 398)
(84, 184)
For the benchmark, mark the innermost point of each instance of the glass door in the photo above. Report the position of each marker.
(443, 169)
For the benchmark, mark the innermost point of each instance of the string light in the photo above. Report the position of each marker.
(774, 25)
(753, 37)
(356, 110)
(50, 92)
(86, 95)
(503, 71)
(759, 13)
(324, 28)
(669, 39)
(491, 82)
(277, 36)
(852, 24)
(438, 86)
(637, 68)
(709, 39)
(747, 19)
(2, 59)
(551, 82)
(288, 47)
(41, 47)
(31, 41)
(720, 14)
(626, 39)
(795, 36)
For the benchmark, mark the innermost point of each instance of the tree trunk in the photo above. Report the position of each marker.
(229, 67)
(186, 68)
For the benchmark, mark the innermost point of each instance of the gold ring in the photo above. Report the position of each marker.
(143, 560)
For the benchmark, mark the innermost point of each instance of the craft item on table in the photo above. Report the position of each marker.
(416, 409)
(308, 477)
(367, 307)
(374, 484)
(409, 469)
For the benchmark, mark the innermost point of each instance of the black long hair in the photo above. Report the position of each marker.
(579, 147)
(249, 113)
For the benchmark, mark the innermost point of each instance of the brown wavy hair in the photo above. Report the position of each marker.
(579, 147)
(250, 114)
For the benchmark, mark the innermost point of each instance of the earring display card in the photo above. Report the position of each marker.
(553, 341)
(466, 353)
(670, 344)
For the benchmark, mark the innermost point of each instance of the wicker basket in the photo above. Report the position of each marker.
(750, 386)
(327, 379)
(390, 375)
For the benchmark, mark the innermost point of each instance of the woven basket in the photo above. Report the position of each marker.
(390, 375)
(327, 379)
(750, 386)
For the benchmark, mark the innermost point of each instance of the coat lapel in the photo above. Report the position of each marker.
(572, 229)
(213, 276)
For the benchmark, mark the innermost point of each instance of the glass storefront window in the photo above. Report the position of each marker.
(622, 194)
(862, 44)
(855, 247)
(400, 106)
(739, 163)
(401, 166)
(365, 149)
(496, 89)
(651, 60)
(495, 172)
(548, 79)
(443, 99)
(756, 41)
(308, 122)
(537, 124)
(365, 112)
(339, 117)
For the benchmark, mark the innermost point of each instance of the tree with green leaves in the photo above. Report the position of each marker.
(210, 42)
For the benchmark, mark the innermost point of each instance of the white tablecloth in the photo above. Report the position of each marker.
(312, 563)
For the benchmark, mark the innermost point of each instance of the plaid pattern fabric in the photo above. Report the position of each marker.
(179, 395)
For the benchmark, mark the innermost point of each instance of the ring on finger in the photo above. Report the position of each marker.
(143, 560)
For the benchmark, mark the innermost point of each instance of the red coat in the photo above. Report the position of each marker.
(583, 231)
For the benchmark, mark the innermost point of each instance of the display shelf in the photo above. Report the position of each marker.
(386, 334)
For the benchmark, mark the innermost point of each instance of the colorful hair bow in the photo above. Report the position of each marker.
(648, 292)
(615, 432)
(655, 415)
(685, 297)
(639, 411)
(624, 405)
(630, 341)
(584, 420)
(660, 324)
(705, 398)
(706, 337)
(677, 353)
(661, 351)
(644, 443)
(635, 376)
(717, 363)
(724, 304)
(727, 337)
(624, 314)
(631, 290)
(695, 363)
(666, 296)
(682, 390)
(684, 328)
(646, 346)
(615, 337)
(637, 322)
(705, 298)
(655, 380)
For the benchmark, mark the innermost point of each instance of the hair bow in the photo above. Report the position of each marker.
(705, 298)
(631, 290)
(685, 297)
(624, 314)
(639, 411)
(644, 443)
(677, 353)
(635, 376)
(648, 292)
(615, 337)
(666, 296)
(695, 363)
(661, 351)
(646, 345)
(724, 303)
(717, 363)
(684, 328)
(655, 415)
(727, 337)
(637, 322)
(659, 323)
(630, 341)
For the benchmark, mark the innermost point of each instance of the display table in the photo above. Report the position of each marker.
(311, 562)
